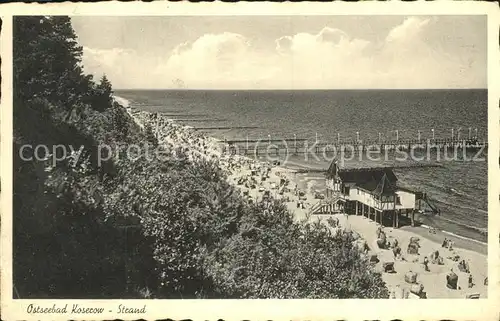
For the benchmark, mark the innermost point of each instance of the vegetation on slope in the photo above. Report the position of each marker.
(139, 227)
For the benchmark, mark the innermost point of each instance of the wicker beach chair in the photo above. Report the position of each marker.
(412, 248)
(388, 267)
(472, 296)
(411, 277)
(452, 280)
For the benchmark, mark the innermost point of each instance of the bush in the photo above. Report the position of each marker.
(273, 257)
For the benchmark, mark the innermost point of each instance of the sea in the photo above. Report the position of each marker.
(458, 187)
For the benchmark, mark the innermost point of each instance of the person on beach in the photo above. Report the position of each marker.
(450, 245)
(396, 251)
(471, 282)
(464, 266)
(426, 264)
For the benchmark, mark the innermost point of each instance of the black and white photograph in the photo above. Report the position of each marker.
(277, 156)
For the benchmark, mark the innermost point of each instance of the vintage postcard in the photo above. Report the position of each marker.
(282, 161)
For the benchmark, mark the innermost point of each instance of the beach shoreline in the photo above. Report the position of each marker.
(459, 241)
(243, 170)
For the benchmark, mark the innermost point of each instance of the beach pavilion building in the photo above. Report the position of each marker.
(369, 191)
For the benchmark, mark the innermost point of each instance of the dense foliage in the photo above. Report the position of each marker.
(65, 243)
(144, 227)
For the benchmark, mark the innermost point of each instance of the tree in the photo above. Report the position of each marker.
(102, 97)
(64, 242)
(51, 43)
(106, 86)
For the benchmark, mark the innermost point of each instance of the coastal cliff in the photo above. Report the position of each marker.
(95, 217)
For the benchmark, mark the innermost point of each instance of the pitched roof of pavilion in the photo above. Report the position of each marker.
(379, 180)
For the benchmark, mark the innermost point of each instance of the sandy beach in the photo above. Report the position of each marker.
(258, 180)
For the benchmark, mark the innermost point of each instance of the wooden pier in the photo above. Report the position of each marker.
(201, 120)
(185, 115)
(225, 128)
(294, 145)
(400, 166)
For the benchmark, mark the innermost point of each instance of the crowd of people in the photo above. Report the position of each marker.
(256, 179)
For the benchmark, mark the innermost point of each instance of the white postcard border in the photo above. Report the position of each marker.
(457, 309)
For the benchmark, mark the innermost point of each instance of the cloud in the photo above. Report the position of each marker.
(329, 58)
(210, 60)
(107, 57)
(410, 29)
(120, 65)
(332, 35)
(320, 60)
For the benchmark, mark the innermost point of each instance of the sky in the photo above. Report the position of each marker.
(286, 52)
